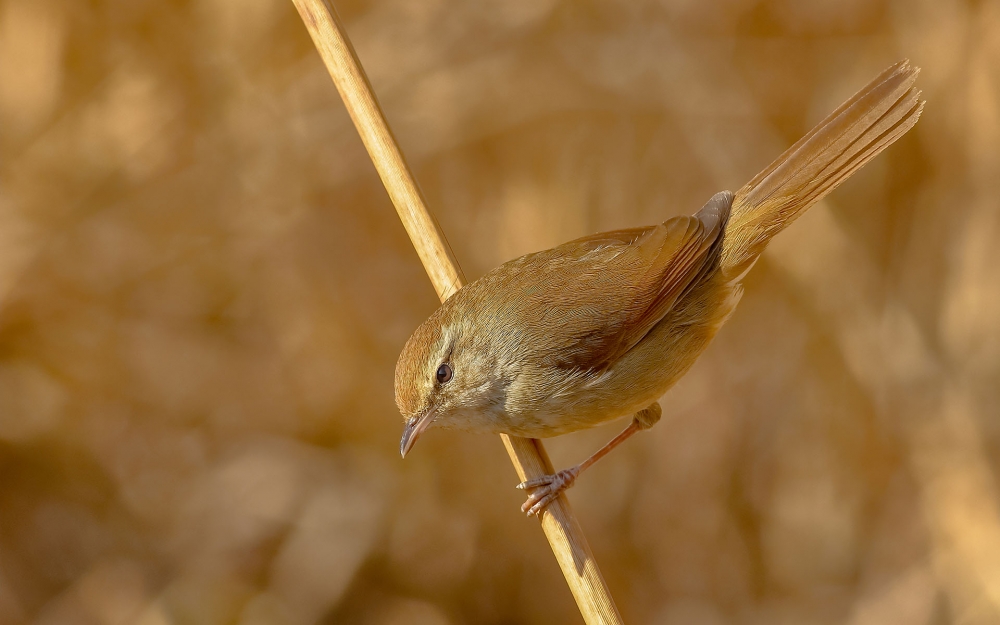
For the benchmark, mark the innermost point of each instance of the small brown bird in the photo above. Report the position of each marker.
(600, 327)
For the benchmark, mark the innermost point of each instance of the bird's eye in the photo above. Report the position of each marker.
(444, 373)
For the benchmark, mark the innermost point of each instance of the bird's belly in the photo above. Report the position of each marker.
(639, 378)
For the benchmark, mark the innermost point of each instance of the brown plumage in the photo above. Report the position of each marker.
(600, 327)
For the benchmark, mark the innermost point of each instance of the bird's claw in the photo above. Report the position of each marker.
(545, 489)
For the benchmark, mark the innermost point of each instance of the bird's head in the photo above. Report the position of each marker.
(446, 376)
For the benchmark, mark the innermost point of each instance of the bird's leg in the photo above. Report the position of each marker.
(545, 489)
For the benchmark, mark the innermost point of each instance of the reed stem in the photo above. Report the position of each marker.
(568, 542)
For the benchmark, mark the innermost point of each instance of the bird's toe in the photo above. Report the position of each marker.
(545, 489)
(545, 480)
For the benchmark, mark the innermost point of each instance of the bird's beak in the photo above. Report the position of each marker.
(413, 429)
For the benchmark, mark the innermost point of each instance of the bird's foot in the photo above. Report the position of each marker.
(545, 489)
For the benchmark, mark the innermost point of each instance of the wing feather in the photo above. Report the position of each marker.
(605, 292)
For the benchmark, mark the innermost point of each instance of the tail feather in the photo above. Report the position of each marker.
(841, 144)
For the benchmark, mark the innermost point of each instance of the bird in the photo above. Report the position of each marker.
(599, 328)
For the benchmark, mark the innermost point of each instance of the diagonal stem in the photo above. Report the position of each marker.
(569, 545)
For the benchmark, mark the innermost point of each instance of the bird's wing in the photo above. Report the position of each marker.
(603, 293)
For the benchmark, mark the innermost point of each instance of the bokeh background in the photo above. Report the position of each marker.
(204, 288)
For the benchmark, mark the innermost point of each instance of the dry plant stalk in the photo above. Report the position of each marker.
(569, 545)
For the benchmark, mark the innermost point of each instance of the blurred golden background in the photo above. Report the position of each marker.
(204, 290)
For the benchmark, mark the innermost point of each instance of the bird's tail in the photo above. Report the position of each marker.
(840, 145)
